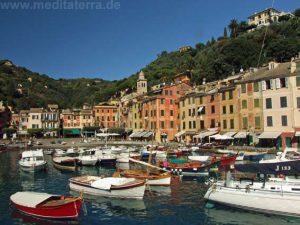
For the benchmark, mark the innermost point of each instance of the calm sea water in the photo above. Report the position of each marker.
(182, 203)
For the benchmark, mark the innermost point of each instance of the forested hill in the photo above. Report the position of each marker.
(218, 58)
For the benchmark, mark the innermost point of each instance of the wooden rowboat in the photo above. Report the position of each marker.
(47, 205)
(153, 178)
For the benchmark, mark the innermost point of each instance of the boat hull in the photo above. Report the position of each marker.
(33, 168)
(88, 162)
(259, 201)
(136, 192)
(70, 210)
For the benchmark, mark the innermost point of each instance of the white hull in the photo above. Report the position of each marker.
(123, 160)
(136, 192)
(159, 182)
(280, 203)
(88, 160)
(33, 168)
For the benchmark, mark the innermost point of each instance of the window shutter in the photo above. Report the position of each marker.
(271, 84)
(277, 81)
(263, 85)
(286, 82)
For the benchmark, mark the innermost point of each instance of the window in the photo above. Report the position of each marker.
(244, 104)
(257, 122)
(183, 103)
(162, 101)
(135, 126)
(171, 101)
(190, 112)
(194, 124)
(171, 92)
(224, 124)
(268, 103)
(201, 124)
(224, 109)
(171, 124)
(256, 103)
(201, 99)
(231, 109)
(223, 95)
(268, 84)
(183, 125)
(298, 102)
(190, 124)
(243, 88)
(189, 100)
(283, 102)
(171, 113)
(212, 109)
(284, 121)
(194, 112)
(162, 124)
(212, 98)
(245, 122)
(212, 123)
(256, 87)
(166, 92)
(269, 121)
(162, 112)
(135, 116)
(281, 82)
(231, 123)
(230, 94)
(298, 81)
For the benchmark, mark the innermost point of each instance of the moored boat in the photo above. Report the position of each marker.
(32, 161)
(46, 205)
(65, 163)
(272, 197)
(153, 178)
(109, 186)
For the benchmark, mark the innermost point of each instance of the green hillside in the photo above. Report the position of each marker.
(216, 59)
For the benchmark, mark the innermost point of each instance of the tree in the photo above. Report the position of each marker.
(225, 32)
(200, 46)
(233, 25)
(297, 12)
(284, 18)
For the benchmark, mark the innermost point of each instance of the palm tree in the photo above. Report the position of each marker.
(233, 25)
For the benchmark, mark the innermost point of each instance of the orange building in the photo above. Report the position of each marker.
(106, 115)
(160, 112)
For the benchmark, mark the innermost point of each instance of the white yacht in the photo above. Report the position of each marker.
(275, 196)
(88, 157)
(32, 161)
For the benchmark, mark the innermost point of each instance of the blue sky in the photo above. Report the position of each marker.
(113, 44)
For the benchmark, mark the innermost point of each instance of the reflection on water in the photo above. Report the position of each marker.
(21, 218)
(182, 203)
(227, 215)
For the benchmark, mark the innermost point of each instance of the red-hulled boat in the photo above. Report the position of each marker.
(47, 205)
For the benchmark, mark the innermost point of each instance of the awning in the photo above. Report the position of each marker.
(72, 131)
(141, 134)
(270, 135)
(180, 133)
(241, 134)
(163, 134)
(134, 134)
(148, 134)
(297, 134)
(230, 134)
(205, 134)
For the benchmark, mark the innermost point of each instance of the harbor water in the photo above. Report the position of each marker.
(182, 203)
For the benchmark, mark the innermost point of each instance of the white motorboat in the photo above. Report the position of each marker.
(272, 196)
(59, 152)
(32, 161)
(109, 186)
(289, 154)
(88, 158)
